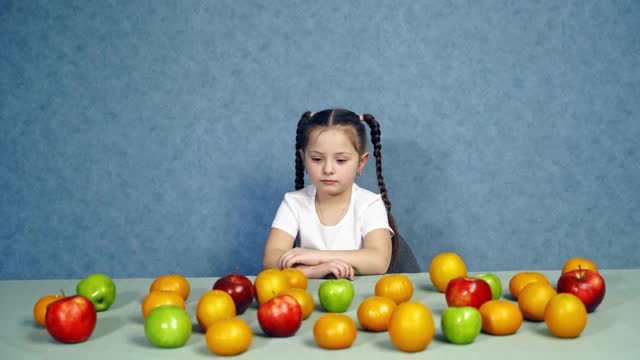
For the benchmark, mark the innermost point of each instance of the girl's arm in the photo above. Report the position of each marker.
(373, 258)
(278, 243)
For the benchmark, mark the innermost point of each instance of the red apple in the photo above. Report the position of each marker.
(280, 316)
(239, 287)
(71, 319)
(467, 291)
(587, 285)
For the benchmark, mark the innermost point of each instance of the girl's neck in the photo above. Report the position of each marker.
(334, 200)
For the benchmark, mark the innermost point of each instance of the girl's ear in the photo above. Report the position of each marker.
(301, 155)
(363, 161)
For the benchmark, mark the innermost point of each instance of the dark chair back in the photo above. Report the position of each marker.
(406, 261)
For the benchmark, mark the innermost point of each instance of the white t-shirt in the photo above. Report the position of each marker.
(297, 214)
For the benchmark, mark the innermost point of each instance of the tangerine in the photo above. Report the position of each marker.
(214, 305)
(304, 298)
(334, 331)
(579, 263)
(500, 317)
(229, 336)
(565, 315)
(375, 312)
(397, 287)
(172, 282)
(40, 308)
(411, 327)
(158, 298)
(522, 279)
(534, 298)
(444, 267)
(295, 277)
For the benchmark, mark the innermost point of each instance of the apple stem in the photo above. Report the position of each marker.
(62, 292)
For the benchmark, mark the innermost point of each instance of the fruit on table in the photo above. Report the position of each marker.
(40, 307)
(304, 298)
(295, 277)
(168, 326)
(534, 298)
(375, 312)
(158, 298)
(579, 263)
(229, 336)
(268, 284)
(444, 267)
(214, 305)
(500, 317)
(461, 325)
(397, 287)
(334, 331)
(280, 316)
(239, 287)
(522, 279)
(587, 285)
(411, 327)
(565, 315)
(71, 319)
(467, 291)
(494, 283)
(172, 282)
(99, 288)
(336, 295)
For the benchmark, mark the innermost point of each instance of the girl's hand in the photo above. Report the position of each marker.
(334, 267)
(300, 256)
(338, 268)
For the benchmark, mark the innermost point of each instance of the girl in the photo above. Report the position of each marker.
(343, 229)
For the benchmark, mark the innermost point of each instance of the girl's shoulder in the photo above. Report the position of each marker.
(303, 194)
(365, 197)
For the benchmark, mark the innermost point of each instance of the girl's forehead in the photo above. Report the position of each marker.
(332, 137)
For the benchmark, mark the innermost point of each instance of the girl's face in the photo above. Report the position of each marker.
(332, 161)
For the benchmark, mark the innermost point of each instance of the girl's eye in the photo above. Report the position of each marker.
(315, 159)
(341, 161)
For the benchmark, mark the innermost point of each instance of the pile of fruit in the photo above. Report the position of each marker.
(474, 304)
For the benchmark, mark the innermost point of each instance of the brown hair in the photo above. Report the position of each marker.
(348, 119)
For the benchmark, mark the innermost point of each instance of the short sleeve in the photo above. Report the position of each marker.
(286, 219)
(375, 217)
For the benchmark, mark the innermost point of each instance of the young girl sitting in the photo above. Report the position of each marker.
(343, 229)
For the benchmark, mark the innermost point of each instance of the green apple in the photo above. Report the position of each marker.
(461, 325)
(168, 326)
(336, 295)
(494, 284)
(99, 288)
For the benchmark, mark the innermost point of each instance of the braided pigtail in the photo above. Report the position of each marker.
(375, 140)
(300, 133)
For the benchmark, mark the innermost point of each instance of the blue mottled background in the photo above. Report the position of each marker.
(139, 138)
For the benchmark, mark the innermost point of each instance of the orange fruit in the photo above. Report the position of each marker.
(522, 279)
(534, 298)
(229, 336)
(397, 287)
(214, 305)
(334, 331)
(411, 327)
(40, 308)
(158, 298)
(172, 282)
(576, 263)
(304, 298)
(500, 317)
(295, 277)
(565, 315)
(269, 283)
(444, 267)
(375, 312)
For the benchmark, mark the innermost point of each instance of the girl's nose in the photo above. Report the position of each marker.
(328, 168)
